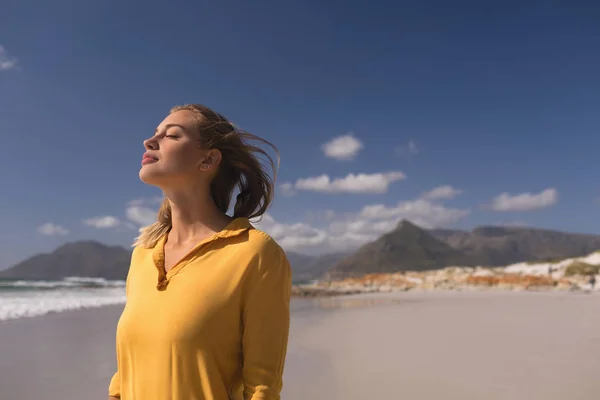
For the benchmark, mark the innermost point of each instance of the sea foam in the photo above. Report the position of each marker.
(22, 298)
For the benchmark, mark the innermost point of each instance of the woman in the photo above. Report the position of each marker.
(207, 312)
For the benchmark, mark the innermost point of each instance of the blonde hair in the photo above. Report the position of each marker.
(240, 167)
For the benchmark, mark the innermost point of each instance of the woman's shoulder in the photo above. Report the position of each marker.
(268, 258)
(263, 243)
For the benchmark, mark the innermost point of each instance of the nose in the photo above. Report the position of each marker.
(150, 144)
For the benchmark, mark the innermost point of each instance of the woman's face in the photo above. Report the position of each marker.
(173, 155)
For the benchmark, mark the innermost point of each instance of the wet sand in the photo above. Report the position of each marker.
(410, 345)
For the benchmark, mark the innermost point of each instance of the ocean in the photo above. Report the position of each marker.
(33, 298)
(24, 298)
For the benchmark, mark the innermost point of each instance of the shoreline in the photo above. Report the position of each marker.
(447, 279)
(569, 274)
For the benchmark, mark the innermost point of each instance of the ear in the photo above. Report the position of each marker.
(211, 160)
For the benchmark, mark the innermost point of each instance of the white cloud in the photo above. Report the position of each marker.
(287, 189)
(291, 236)
(142, 216)
(107, 221)
(441, 192)
(146, 201)
(409, 149)
(420, 212)
(142, 212)
(6, 61)
(344, 147)
(525, 201)
(51, 229)
(352, 183)
(349, 231)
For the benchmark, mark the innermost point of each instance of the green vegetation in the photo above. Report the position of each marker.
(581, 268)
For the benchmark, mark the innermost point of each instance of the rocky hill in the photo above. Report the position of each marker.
(82, 259)
(96, 260)
(495, 246)
(307, 268)
(407, 247)
(411, 248)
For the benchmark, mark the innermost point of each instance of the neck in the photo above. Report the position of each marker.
(194, 215)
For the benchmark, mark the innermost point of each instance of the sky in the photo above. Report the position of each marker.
(448, 114)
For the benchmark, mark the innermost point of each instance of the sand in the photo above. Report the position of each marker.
(397, 346)
(67, 355)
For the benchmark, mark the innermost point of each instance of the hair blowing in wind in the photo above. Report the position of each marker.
(241, 167)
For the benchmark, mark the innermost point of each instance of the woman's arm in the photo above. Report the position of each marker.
(266, 323)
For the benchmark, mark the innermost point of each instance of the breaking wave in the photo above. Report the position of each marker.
(31, 298)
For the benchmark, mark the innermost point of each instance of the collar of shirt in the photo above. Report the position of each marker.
(234, 228)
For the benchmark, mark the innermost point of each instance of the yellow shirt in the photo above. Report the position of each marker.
(215, 326)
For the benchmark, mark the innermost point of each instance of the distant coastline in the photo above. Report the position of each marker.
(571, 274)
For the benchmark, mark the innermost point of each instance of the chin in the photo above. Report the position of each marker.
(149, 177)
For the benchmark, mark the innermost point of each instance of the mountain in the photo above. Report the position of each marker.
(93, 259)
(495, 246)
(299, 263)
(408, 247)
(82, 259)
(308, 268)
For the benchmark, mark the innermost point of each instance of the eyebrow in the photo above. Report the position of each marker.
(167, 126)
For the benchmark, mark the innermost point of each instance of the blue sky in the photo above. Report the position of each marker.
(496, 103)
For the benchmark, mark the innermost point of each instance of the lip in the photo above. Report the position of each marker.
(148, 159)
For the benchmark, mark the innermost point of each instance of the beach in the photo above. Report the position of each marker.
(414, 345)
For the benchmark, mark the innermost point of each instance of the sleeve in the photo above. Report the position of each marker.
(266, 323)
